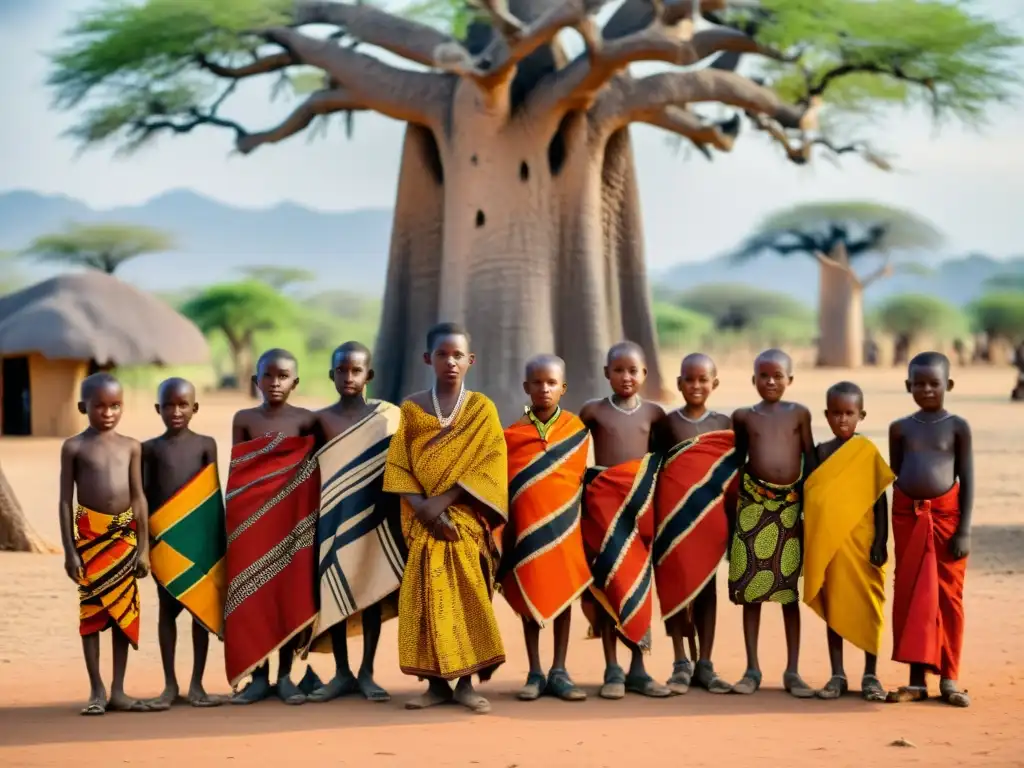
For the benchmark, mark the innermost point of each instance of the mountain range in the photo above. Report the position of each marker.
(349, 249)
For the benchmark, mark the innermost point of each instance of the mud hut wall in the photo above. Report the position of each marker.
(54, 386)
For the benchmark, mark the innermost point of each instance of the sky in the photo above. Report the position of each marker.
(969, 183)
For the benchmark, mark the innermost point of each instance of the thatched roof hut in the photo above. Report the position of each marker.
(51, 334)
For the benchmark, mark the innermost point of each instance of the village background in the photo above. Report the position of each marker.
(289, 248)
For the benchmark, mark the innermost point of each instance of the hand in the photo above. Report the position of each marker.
(142, 565)
(430, 510)
(879, 553)
(443, 529)
(73, 567)
(960, 545)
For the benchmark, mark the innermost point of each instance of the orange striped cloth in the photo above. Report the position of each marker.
(109, 592)
(544, 567)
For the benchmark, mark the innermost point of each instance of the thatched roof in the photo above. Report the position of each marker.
(94, 316)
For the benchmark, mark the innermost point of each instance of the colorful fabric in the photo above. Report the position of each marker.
(691, 525)
(273, 495)
(618, 530)
(545, 569)
(543, 426)
(840, 583)
(188, 557)
(109, 593)
(359, 532)
(928, 590)
(446, 623)
(765, 556)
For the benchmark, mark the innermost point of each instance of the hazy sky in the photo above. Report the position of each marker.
(970, 184)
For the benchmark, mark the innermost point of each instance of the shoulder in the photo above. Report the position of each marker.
(243, 415)
(419, 400)
(802, 411)
(653, 410)
(150, 446)
(131, 444)
(591, 408)
(208, 442)
(740, 415)
(483, 402)
(960, 425)
(896, 427)
(721, 420)
(71, 446)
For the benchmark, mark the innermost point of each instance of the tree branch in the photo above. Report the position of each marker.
(319, 103)
(825, 261)
(261, 66)
(412, 97)
(409, 39)
(798, 149)
(682, 122)
(882, 272)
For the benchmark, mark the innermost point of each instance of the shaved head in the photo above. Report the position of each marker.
(173, 386)
(624, 348)
(930, 360)
(845, 389)
(350, 348)
(96, 382)
(701, 360)
(545, 361)
(776, 356)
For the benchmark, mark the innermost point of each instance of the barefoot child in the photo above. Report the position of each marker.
(449, 463)
(846, 531)
(105, 538)
(359, 535)
(930, 452)
(544, 565)
(775, 448)
(691, 524)
(179, 474)
(618, 521)
(273, 495)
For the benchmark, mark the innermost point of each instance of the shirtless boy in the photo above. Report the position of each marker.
(356, 434)
(776, 449)
(105, 538)
(930, 452)
(698, 378)
(169, 464)
(276, 378)
(620, 602)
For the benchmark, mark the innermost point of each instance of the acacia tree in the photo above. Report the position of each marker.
(278, 278)
(911, 316)
(517, 210)
(99, 246)
(840, 236)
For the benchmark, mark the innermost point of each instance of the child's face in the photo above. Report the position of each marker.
(276, 379)
(350, 373)
(177, 406)
(545, 385)
(928, 385)
(696, 382)
(844, 413)
(104, 407)
(771, 379)
(626, 373)
(450, 359)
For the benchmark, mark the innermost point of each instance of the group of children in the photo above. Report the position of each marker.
(364, 510)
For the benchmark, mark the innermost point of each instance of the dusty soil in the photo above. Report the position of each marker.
(43, 682)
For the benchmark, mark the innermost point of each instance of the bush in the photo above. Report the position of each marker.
(913, 315)
(1000, 315)
(742, 307)
(678, 327)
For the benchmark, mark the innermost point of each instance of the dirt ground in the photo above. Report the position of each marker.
(43, 681)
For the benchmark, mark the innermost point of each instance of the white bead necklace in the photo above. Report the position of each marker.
(447, 421)
(626, 411)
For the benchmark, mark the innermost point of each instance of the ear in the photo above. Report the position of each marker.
(330, 374)
(369, 376)
(791, 377)
(863, 415)
(296, 384)
(826, 414)
(753, 380)
(565, 387)
(195, 407)
(81, 407)
(255, 381)
(949, 385)
(526, 387)
(472, 358)
(606, 373)
(426, 358)
(156, 408)
(679, 383)
(714, 385)
(906, 383)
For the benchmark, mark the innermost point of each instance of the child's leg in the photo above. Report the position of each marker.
(682, 669)
(119, 700)
(558, 682)
(197, 695)
(287, 690)
(791, 680)
(535, 680)
(870, 686)
(167, 634)
(467, 696)
(705, 616)
(97, 704)
(562, 629)
(837, 684)
(258, 688)
(916, 690)
(638, 681)
(344, 682)
(371, 637)
(614, 677)
(751, 680)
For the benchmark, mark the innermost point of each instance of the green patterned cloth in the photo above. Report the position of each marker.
(766, 552)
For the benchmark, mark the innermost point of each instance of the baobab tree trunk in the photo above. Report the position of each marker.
(16, 535)
(840, 312)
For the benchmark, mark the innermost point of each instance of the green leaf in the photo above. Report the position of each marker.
(99, 246)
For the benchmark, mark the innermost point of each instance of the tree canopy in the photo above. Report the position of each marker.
(277, 277)
(739, 307)
(1006, 281)
(238, 310)
(677, 326)
(1000, 315)
(914, 315)
(99, 246)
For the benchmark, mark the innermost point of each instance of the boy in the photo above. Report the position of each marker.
(931, 454)
(775, 449)
(618, 523)
(846, 532)
(449, 463)
(179, 475)
(692, 527)
(359, 535)
(106, 541)
(273, 495)
(544, 567)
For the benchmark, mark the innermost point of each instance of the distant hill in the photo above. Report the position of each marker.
(348, 250)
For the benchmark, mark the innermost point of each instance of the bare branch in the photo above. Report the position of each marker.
(798, 149)
(685, 123)
(319, 103)
(884, 271)
(412, 97)
(261, 66)
(409, 39)
(828, 263)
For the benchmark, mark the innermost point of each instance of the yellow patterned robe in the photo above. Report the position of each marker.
(446, 623)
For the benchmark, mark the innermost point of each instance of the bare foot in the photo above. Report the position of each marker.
(467, 696)
(369, 688)
(121, 702)
(340, 685)
(198, 697)
(435, 696)
(97, 704)
(164, 701)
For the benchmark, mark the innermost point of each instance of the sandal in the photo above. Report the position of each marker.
(645, 685)
(705, 677)
(561, 686)
(907, 693)
(836, 687)
(749, 684)
(682, 675)
(796, 687)
(93, 709)
(534, 688)
(310, 682)
(614, 683)
(952, 695)
(871, 689)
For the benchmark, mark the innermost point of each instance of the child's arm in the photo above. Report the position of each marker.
(742, 439)
(880, 545)
(140, 509)
(807, 442)
(963, 458)
(72, 560)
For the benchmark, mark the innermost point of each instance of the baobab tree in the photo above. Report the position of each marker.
(840, 236)
(517, 210)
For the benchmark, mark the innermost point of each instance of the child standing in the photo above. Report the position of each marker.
(105, 538)
(931, 454)
(775, 448)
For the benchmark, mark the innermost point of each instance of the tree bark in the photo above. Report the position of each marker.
(840, 312)
(16, 534)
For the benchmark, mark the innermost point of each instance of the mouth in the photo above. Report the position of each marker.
(451, 375)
